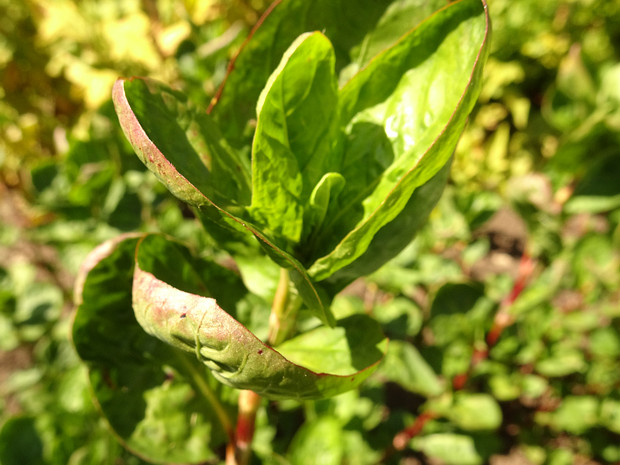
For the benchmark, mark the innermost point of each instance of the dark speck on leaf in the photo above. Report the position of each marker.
(260, 352)
(183, 315)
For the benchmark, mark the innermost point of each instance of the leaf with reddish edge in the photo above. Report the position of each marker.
(196, 323)
(160, 402)
(184, 149)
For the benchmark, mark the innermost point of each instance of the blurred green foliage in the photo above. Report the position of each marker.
(537, 171)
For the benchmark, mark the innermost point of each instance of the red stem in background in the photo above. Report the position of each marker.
(401, 440)
(502, 320)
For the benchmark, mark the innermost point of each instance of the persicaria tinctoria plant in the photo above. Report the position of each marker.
(316, 163)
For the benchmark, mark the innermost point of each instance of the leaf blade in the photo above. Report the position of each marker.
(195, 323)
(296, 124)
(402, 163)
(181, 146)
(146, 391)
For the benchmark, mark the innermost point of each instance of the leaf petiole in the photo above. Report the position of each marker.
(283, 311)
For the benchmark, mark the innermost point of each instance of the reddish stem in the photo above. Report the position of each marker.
(402, 439)
(502, 320)
(238, 451)
(231, 64)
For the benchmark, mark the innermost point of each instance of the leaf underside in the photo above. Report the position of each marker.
(150, 393)
(190, 318)
(197, 323)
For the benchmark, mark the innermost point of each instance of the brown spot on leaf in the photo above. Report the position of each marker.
(107, 379)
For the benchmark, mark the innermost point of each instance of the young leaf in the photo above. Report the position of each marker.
(157, 399)
(196, 323)
(395, 235)
(292, 148)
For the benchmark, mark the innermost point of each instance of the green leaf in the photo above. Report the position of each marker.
(20, 442)
(605, 343)
(562, 361)
(185, 150)
(353, 345)
(400, 317)
(295, 130)
(598, 191)
(182, 146)
(402, 114)
(358, 29)
(36, 309)
(451, 449)
(405, 366)
(196, 323)
(576, 415)
(260, 275)
(610, 415)
(318, 442)
(330, 185)
(397, 20)
(160, 402)
(173, 263)
(390, 240)
(475, 412)
(505, 387)
(458, 312)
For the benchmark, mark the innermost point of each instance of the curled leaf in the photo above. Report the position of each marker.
(185, 150)
(159, 401)
(196, 323)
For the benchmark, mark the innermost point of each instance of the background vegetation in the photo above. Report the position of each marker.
(504, 314)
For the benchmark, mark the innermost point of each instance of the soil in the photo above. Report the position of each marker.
(507, 234)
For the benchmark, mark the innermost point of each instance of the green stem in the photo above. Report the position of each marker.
(200, 382)
(283, 311)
